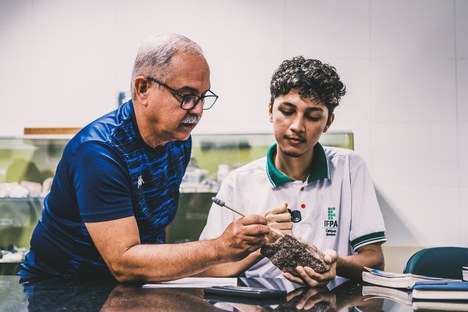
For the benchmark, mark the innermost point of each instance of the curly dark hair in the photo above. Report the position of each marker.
(310, 78)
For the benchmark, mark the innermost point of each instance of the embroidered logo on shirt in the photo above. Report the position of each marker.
(331, 223)
(140, 181)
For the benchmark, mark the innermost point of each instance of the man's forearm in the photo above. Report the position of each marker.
(129, 261)
(162, 262)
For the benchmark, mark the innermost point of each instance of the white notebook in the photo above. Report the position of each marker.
(194, 282)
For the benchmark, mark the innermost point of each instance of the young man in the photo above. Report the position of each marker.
(117, 185)
(330, 187)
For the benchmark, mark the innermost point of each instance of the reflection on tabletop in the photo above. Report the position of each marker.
(339, 295)
(125, 298)
(63, 295)
(68, 295)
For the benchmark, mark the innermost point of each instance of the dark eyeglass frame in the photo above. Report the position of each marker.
(187, 101)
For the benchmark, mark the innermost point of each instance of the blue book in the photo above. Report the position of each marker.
(441, 291)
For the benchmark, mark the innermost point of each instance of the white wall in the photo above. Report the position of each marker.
(62, 63)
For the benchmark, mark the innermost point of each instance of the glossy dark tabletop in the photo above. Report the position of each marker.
(66, 295)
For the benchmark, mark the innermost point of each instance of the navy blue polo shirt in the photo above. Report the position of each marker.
(107, 172)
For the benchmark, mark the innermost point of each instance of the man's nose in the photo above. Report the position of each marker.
(298, 123)
(198, 108)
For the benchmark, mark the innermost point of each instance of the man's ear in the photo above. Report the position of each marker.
(141, 87)
(330, 120)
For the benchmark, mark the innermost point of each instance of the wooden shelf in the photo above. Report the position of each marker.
(65, 130)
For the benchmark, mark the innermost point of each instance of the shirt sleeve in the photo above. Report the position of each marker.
(101, 182)
(367, 222)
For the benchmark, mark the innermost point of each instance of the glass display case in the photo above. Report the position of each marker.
(28, 163)
(27, 166)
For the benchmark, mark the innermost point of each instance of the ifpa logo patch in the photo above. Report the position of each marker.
(330, 223)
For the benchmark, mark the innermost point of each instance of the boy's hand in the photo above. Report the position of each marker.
(279, 218)
(313, 279)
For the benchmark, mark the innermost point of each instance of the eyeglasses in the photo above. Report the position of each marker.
(189, 101)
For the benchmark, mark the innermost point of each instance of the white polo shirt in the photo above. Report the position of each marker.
(338, 204)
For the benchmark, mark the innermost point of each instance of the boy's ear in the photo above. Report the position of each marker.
(329, 122)
(270, 111)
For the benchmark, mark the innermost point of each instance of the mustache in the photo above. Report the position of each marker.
(191, 119)
(295, 137)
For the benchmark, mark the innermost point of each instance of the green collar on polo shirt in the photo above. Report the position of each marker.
(318, 170)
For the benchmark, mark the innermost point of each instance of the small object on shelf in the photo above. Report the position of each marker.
(223, 171)
(23, 189)
(46, 186)
(34, 188)
(195, 179)
(12, 254)
(13, 190)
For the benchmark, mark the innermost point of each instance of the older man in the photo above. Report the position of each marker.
(117, 185)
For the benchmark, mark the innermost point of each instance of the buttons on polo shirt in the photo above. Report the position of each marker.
(303, 206)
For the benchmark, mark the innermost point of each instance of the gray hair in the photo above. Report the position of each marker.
(155, 53)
